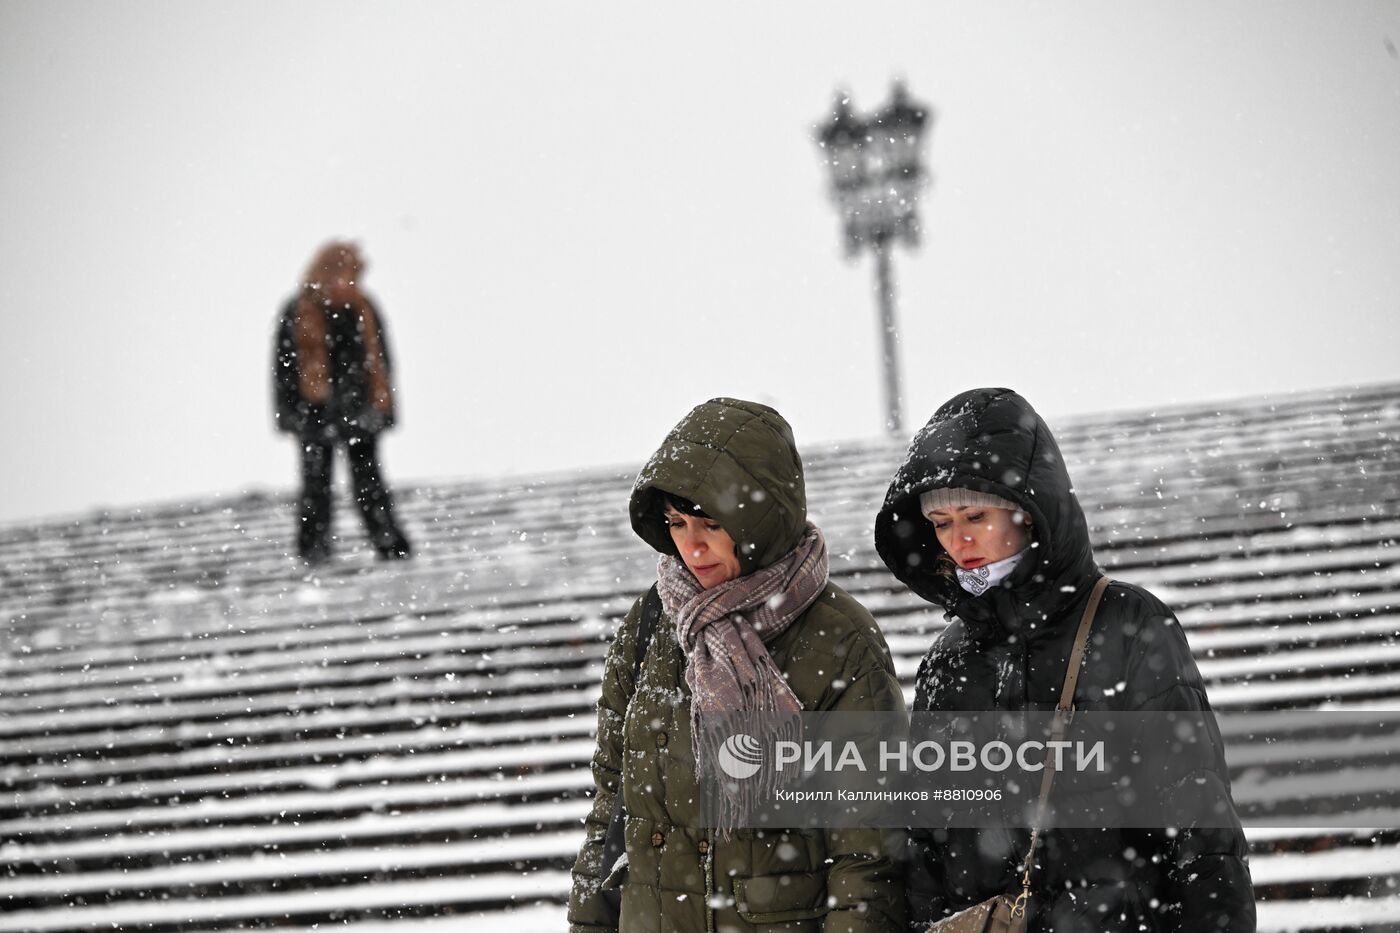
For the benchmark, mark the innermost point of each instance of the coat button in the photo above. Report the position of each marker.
(704, 847)
(657, 839)
(661, 740)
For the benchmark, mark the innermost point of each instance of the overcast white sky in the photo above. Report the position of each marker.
(583, 218)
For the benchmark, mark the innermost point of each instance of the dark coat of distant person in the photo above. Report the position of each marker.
(333, 374)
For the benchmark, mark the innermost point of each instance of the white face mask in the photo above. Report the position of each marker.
(980, 579)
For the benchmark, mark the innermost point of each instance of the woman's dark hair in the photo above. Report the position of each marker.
(682, 505)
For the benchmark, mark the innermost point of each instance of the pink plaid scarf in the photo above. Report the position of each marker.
(724, 632)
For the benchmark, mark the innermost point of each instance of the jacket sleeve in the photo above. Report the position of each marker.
(865, 883)
(588, 912)
(1208, 870)
(388, 359)
(287, 408)
(384, 344)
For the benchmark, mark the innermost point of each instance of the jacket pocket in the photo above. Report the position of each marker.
(780, 898)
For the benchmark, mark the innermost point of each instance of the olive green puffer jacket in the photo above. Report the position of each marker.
(678, 875)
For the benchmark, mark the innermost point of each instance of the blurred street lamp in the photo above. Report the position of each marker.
(876, 177)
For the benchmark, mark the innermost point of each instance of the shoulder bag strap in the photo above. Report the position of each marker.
(651, 613)
(1063, 709)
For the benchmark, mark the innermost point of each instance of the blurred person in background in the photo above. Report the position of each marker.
(333, 384)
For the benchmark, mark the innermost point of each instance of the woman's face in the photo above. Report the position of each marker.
(706, 548)
(974, 535)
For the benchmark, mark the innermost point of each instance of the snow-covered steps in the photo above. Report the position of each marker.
(195, 734)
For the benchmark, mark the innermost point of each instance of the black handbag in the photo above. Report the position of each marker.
(614, 843)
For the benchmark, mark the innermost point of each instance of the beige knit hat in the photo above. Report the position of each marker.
(953, 498)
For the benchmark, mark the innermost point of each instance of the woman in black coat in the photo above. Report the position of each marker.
(982, 521)
(332, 384)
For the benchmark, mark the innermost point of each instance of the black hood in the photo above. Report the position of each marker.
(991, 441)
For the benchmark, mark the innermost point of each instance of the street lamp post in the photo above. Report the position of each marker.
(876, 177)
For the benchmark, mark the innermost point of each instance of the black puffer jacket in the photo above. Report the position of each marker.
(1007, 650)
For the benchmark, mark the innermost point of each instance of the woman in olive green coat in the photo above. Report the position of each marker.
(750, 622)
